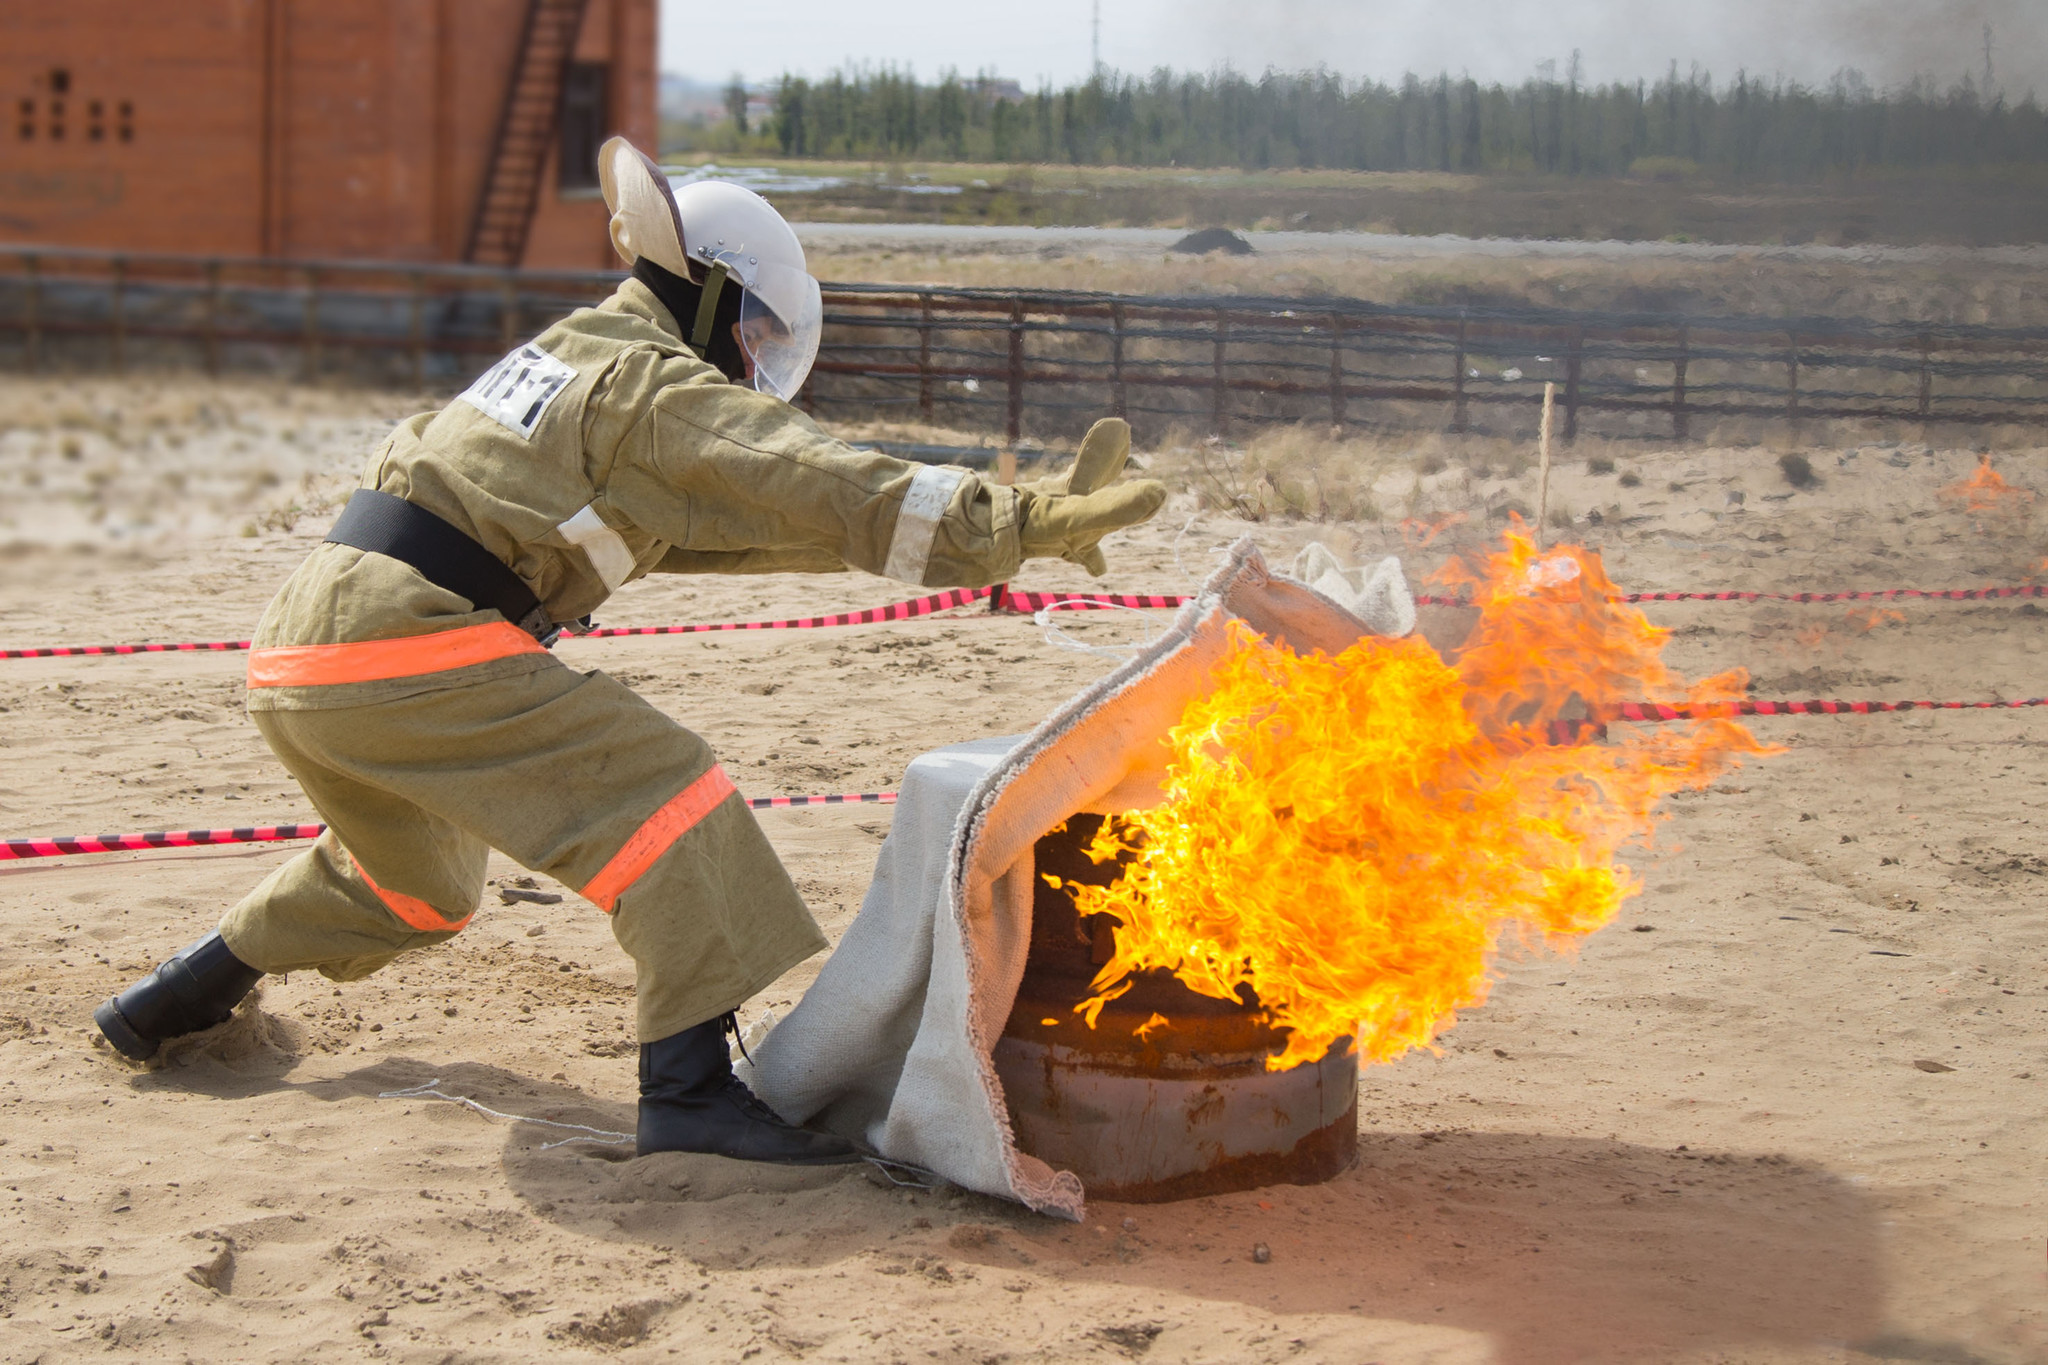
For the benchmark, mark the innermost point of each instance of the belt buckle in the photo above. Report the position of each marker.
(537, 624)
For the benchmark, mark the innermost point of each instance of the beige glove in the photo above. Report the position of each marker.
(1066, 515)
(1101, 458)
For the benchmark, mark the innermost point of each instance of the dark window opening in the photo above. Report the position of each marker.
(583, 123)
(60, 81)
(96, 133)
(127, 132)
(56, 132)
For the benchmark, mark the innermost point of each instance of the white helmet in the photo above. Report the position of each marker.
(715, 224)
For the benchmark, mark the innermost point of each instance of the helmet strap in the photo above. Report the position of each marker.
(707, 307)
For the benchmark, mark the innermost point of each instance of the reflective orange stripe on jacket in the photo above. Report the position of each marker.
(376, 660)
(652, 839)
(412, 909)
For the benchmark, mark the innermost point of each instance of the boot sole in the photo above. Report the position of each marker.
(125, 1040)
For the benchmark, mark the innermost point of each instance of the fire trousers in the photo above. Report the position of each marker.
(568, 773)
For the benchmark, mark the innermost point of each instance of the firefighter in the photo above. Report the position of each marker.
(402, 673)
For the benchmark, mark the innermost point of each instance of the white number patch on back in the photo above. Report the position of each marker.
(516, 391)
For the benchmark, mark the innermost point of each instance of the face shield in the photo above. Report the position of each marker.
(782, 317)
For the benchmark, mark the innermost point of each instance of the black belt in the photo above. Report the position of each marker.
(443, 554)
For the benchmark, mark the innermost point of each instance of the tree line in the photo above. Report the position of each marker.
(1747, 128)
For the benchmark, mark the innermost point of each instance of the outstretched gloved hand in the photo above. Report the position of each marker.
(1066, 515)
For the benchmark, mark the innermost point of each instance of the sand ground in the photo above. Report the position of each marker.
(1788, 1109)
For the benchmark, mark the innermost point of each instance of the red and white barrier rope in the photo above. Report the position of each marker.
(1652, 712)
(1639, 712)
(895, 611)
(57, 846)
(78, 651)
(1001, 599)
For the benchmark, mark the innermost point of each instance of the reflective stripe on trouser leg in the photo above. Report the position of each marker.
(675, 819)
(412, 909)
(407, 656)
(317, 912)
(561, 771)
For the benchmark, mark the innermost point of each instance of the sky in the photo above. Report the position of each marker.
(1807, 40)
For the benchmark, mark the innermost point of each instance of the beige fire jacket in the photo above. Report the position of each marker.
(604, 450)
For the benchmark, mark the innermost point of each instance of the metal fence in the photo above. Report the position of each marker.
(1043, 363)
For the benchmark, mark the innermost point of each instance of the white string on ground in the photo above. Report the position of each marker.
(1186, 527)
(920, 1178)
(1059, 639)
(430, 1090)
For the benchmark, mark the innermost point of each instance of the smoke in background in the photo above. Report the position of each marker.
(1889, 41)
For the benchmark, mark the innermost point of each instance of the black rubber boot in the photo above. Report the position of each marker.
(691, 1102)
(195, 990)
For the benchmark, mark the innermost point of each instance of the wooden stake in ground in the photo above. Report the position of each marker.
(1543, 463)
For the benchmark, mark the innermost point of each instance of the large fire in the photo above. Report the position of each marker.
(1352, 837)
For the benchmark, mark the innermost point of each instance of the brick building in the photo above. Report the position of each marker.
(419, 130)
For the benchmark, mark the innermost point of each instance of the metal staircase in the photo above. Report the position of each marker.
(526, 133)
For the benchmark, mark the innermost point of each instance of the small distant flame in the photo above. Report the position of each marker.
(1352, 836)
(1986, 491)
(1873, 618)
(1419, 533)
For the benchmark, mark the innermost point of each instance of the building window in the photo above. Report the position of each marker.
(583, 124)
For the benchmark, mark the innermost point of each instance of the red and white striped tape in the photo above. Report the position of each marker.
(1653, 712)
(895, 611)
(1001, 599)
(59, 845)
(1565, 733)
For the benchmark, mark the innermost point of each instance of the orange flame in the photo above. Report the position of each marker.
(1352, 836)
(1872, 618)
(1811, 637)
(1987, 491)
(1418, 533)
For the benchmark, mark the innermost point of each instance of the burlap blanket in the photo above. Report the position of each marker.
(892, 1043)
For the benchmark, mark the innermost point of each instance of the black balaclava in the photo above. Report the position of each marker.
(680, 297)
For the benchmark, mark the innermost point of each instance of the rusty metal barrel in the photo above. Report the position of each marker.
(1144, 1111)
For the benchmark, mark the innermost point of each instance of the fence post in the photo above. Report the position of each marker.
(309, 344)
(1926, 374)
(1015, 426)
(1571, 385)
(1219, 395)
(924, 355)
(1680, 422)
(508, 311)
(34, 319)
(1117, 405)
(1458, 380)
(416, 329)
(1792, 381)
(117, 297)
(1336, 369)
(213, 317)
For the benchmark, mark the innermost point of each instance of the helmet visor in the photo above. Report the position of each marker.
(782, 317)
